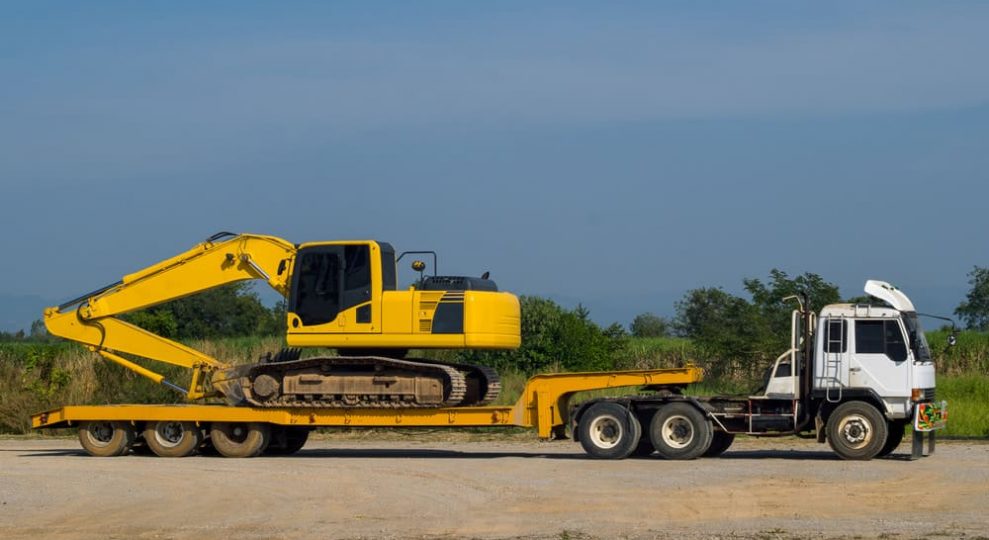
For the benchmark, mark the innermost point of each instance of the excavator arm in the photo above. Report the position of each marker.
(222, 259)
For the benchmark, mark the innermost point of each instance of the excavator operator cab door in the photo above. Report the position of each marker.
(332, 290)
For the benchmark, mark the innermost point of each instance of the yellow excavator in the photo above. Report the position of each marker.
(341, 295)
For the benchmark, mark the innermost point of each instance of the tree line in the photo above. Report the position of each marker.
(749, 331)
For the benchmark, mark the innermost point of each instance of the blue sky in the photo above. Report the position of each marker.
(614, 154)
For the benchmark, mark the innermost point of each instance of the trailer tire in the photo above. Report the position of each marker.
(240, 439)
(720, 442)
(106, 439)
(287, 440)
(169, 438)
(893, 439)
(857, 431)
(608, 430)
(680, 431)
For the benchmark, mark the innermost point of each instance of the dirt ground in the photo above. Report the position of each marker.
(415, 488)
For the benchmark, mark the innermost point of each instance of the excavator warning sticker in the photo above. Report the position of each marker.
(931, 416)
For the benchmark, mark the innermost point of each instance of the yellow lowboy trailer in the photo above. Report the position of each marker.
(180, 430)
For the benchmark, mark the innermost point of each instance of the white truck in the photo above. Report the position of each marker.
(855, 376)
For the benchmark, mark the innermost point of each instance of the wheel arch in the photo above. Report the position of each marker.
(864, 395)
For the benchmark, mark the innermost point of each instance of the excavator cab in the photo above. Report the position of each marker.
(344, 295)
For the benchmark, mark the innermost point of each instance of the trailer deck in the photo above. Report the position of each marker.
(544, 405)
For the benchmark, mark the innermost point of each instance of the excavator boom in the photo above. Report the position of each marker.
(222, 259)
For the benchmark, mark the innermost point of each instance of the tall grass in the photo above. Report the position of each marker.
(39, 376)
(968, 404)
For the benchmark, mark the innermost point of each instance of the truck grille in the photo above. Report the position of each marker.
(929, 394)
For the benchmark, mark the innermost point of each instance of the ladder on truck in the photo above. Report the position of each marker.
(834, 357)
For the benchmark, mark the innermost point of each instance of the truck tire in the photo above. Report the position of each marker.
(106, 439)
(287, 440)
(720, 442)
(170, 438)
(240, 439)
(680, 431)
(609, 431)
(895, 437)
(857, 431)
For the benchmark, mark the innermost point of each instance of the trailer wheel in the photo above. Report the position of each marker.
(680, 431)
(240, 439)
(720, 442)
(609, 431)
(857, 431)
(173, 439)
(893, 439)
(286, 441)
(106, 439)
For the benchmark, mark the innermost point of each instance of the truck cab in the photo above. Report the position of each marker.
(854, 375)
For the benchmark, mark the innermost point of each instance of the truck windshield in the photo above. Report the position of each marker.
(918, 341)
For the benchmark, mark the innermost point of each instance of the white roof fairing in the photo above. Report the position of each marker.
(889, 294)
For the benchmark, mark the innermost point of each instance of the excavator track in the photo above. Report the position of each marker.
(483, 382)
(354, 382)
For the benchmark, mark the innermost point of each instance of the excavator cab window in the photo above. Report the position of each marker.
(357, 276)
(316, 289)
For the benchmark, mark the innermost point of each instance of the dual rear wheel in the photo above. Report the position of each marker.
(677, 430)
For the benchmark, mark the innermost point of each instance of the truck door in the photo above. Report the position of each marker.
(881, 360)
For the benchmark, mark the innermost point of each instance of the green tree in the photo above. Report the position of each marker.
(737, 333)
(229, 311)
(555, 337)
(647, 325)
(974, 310)
(726, 328)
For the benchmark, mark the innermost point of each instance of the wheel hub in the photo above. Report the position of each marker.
(678, 432)
(101, 433)
(606, 431)
(169, 433)
(856, 431)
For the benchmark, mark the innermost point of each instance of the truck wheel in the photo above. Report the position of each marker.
(172, 439)
(286, 441)
(680, 431)
(895, 437)
(720, 442)
(856, 431)
(106, 439)
(240, 440)
(609, 431)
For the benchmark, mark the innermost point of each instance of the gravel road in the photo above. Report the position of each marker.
(492, 489)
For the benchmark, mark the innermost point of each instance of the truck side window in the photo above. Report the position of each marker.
(357, 276)
(869, 337)
(836, 336)
(316, 298)
(896, 347)
(880, 337)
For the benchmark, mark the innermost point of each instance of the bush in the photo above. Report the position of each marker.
(555, 337)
